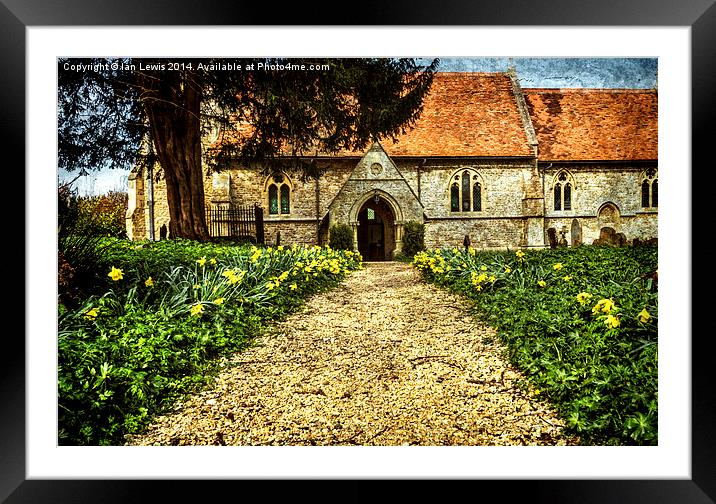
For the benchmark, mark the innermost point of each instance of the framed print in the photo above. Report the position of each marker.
(34, 469)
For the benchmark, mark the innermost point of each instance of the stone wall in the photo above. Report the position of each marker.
(594, 187)
(488, 234)
(502, 222)
(301, 232)
(503, 186)
(136, 207)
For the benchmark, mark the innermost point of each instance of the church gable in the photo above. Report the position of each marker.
(376, 166)
(376, 175)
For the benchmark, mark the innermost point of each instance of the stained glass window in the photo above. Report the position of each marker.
(285, 203)
(645, 194)
(567, 196)
(558, 196)
(455, 198)
(476, 197)
(465, 192)
(273, 200)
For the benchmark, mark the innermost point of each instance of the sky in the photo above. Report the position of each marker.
(531, 72)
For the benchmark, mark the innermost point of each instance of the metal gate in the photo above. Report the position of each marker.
(240, 223)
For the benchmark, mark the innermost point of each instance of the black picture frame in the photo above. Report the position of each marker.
(700, 16)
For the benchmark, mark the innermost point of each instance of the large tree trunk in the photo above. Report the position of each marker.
(172, 101)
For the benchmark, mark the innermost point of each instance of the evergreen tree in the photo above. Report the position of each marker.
(263, 113)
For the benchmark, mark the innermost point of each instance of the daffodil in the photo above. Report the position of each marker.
(508, 269)
(520, 254)
(644, 316)
(91, 314)
(557, 266)
(567, 278)
(115, 274)
(149, 282)
(219, 301)
(611, 321)
(541, 283)
(583, 297)
(212, 261)
(483, 268)
(201, 261)
(293, 286)
(197, 309)
(603, 305)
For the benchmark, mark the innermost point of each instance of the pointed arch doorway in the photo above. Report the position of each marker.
(376, 230)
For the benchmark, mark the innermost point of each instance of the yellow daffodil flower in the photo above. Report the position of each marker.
(603, 305)
(611, 321)
(91, 314)
(541, 283)
(293, 286)
(557, 266)
(197, 309)
(115, 274)
(149, 282)
(644, 316)
(583, 297)
(567, 278)
(219, 301)
(201, 261)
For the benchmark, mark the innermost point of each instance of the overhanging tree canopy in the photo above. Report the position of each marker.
(107, 107)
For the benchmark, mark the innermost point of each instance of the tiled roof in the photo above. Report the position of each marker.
(466, 114)
(594, 124)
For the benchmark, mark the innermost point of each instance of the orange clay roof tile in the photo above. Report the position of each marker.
(466, 114)
(594, 124)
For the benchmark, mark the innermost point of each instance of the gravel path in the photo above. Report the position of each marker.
(384, 359)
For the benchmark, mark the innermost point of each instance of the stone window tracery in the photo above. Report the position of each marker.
(563, 191)
(650, 189)
(279, 195)
(466, 192)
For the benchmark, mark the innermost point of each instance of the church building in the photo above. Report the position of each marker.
(510, 167)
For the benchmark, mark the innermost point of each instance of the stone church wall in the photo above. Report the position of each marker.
(594, 186)
(501, 223)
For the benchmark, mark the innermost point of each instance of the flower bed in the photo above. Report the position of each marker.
(160, 315)
(580, 322)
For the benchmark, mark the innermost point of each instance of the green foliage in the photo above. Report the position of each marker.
(79, 248)
(581, 323)
(341, 237)
(413, 238)
(161, 315)
(104, 215)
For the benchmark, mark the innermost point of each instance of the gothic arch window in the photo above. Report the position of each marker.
(563, 186)
(279, 194)
(650, 189)
(466, 191)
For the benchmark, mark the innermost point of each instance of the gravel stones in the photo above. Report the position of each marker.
(384, 359)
